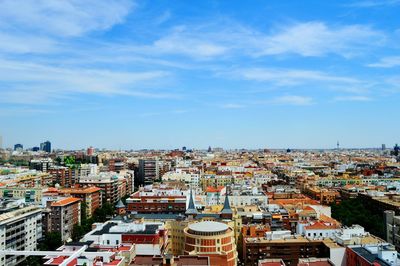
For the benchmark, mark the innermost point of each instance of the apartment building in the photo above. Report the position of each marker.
(90, 198)
(65, 213)
(19, 230)
(108, 184)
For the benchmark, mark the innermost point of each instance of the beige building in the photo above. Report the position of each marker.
(212, 239)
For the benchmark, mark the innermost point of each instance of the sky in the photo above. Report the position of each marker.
(158, 74)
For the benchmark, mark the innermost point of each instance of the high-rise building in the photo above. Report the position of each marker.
(65, 213)
(45, 146)
(18, 147)
(148, 171)
(90, 198)
(116, 165)
(41, 164)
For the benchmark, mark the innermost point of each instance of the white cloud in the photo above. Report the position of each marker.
(317, 39)
(293, 100)
(374, 3)
(232, 106)
(35, 83)
(289, 77)
(387, 62)
(13, 43)
(62, 18)
(234, 40)
(353, 98)
(188, 44)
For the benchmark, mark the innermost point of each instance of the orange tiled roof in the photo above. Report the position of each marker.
(328, 219)
(86, 190)
(65, 201)
(308, 208)
(320, 226)
(213, 189)
(52, 189)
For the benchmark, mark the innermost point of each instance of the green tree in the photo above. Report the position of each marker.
(353, 211)
(51, 241)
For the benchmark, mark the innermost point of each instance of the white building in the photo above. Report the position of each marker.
(19, 230)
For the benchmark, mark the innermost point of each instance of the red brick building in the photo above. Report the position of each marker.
(89, 196)
(65, 213)
(141, 202)
(61, 175)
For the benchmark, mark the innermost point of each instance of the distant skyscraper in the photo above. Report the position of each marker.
(337, 145)
(383, 147)
(396, 150)
(45, 146)
(18, 147)
(35, 149)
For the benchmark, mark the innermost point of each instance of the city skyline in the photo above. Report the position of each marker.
(154, 74)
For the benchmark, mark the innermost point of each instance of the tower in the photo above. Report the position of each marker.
(120, 208)
(191, 210)
(337, 145)
(226, 212)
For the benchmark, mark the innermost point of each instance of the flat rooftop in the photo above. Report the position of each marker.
(208, 227)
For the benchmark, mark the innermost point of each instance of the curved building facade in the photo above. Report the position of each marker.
(213, 239)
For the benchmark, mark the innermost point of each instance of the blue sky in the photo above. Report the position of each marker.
(166, 74)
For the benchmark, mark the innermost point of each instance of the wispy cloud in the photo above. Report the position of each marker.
(353, 98)
(387, 62)
(232, 106)
(289, 77)
(374, 3)
(12, 111)
(63, 18)
(318, 39)
(168, 112)
(31, 82)
(293, 100)
(183, 41)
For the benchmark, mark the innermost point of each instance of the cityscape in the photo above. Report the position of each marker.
(208, 133)
(200, 207)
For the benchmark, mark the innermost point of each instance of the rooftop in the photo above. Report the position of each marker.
(64, 202)
(208, 227)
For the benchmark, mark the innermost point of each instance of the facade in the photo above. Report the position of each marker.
(148, 171)
(61, 175)
(19, 230)
(116, 165)
(157, 201)
(290, 248)
(372, 255)
(149, 238)
(392, 228)
(30, 195)
(65, 213)
(41, 164)
(90, 198)
(213, 239)
(107, 182)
